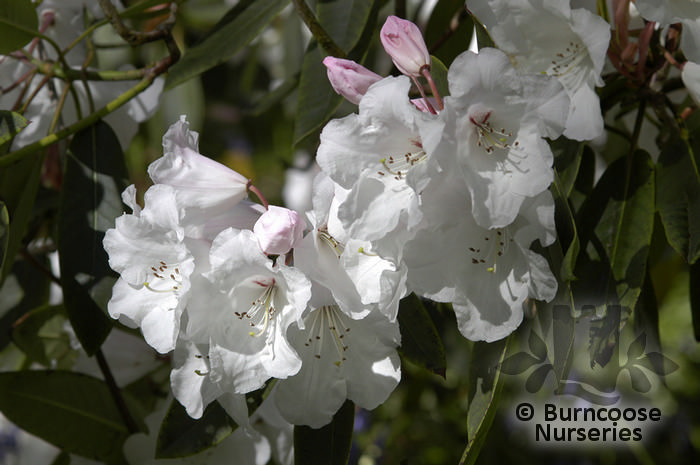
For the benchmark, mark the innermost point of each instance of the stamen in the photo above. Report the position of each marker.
(328, 318)
(336, 246)
(567, 59)
(494, 248)
(262, 310)
(163, 280)
(399, 166)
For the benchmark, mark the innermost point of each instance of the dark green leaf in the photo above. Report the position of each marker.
(349, 24)
(694, 284)
(62, 459)
(640, 382)
(484, 390)
(567, 160)
(26, 288)
(658, 363)
(518, 363)
(11, 124)
(420, 340)
(537, 346)
(444, 42)
(329, 445)
(41, 336)
(537, 378)
(4, 233)
(238, 27)
(563, 326)
(94, 177)
(636, 348)
(181, 435)
(438, 71)
(18, 24)
(19, 184)
(83, 417)
(483, 38)
(678, 199)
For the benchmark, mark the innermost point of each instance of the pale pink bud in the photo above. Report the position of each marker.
(421, 105)
(404, 43)
(349, 79)
(278, 230)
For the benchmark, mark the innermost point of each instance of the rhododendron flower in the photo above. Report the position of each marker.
(349, 79)
(404, 43)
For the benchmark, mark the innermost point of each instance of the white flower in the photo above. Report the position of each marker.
(546, 37)
(495, 121)
(204, 188)
(486, 273)
(147, 248)
(342, 359)
(360, 281)
(243, 311)
(378, 156)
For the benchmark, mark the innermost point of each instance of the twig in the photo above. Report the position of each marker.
(319, 33)
(116, 393)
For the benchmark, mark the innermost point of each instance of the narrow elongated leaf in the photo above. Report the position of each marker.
(329, 445)
(19, 184)
(484, 389)
(567, 160)
(94, 178)
(563, 326)
(238, 27)
(18, 24)
(347, 22)
(83, 417)
(11, 124)
(420, 340)
(694, 283)
(627, 224)
(181, 435)
(4, 232)
(678, 199)
(438, 71)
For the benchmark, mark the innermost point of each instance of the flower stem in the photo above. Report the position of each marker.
(429, 77)
(319, 33)
(428, 105)
(116, 393)
(258, 194)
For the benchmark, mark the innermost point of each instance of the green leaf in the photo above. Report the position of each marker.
(563, 327)
(234, 31)
(537, 346)
(18, 24)
(518, 363)
(483, 38)
(347, 22)
(41, 336)
(329, 445)
(181, 435)
(484, 390)
(420, 340)
(11, 124)
(627, 223)
(62, 459)
(74, 412)
(19, 184)
(94, 177)
(4, 232)
(439, 72)
(678, 199)
(567, 160)
(443, 42)
(694, 285)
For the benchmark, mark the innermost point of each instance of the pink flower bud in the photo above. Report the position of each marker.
(404, 43)
(278, 230)
(349, 79)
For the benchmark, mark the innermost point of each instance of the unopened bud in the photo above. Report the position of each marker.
(278, 230)
(404, 43)
(349, 79)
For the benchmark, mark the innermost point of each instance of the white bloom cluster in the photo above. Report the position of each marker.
(443, 198)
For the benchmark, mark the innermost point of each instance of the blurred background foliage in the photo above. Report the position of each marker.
(245, 110)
